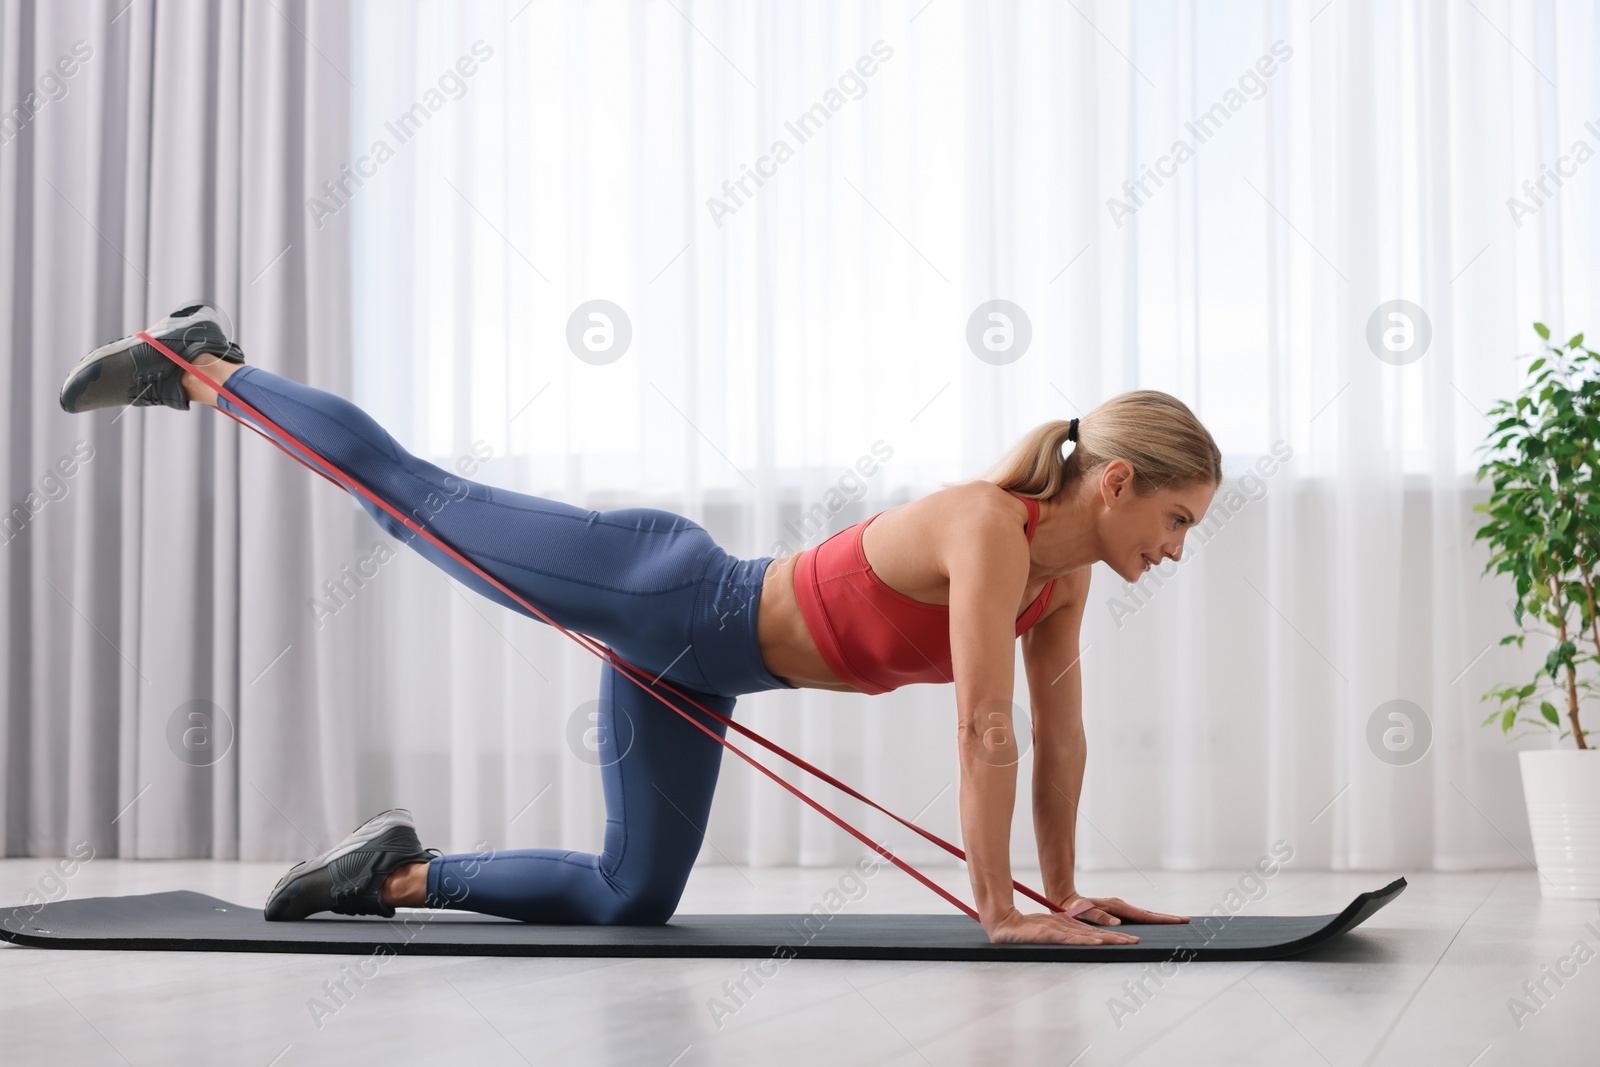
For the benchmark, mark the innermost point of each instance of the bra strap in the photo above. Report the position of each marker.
(1033, 513)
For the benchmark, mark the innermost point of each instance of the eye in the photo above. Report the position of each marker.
(1178, 520)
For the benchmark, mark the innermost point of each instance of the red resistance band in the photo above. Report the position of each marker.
(346, 482)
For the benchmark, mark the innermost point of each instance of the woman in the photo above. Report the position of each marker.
(935, 590)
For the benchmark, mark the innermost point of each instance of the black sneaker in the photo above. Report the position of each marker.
(130, 371)
(348, 878)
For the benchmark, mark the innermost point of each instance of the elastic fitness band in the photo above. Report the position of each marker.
(348, 483)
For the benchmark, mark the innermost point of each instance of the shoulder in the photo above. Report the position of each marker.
(983, 509)
(980, 535)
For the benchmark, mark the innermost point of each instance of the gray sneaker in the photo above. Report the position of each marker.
(130, 371)
(348, 878)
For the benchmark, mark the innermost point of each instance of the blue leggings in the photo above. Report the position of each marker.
(651, 585)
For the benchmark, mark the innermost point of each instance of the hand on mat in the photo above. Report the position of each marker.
(1110, 911)
(1018, 928)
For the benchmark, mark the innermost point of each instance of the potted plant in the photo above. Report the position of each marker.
(1544, 531)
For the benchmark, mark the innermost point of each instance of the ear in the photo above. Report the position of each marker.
(1118, 477)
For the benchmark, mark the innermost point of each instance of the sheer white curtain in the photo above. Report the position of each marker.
(798, 309)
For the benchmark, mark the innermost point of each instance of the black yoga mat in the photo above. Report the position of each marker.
(193, 922)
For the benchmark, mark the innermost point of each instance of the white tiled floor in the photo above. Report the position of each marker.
(1426, 981)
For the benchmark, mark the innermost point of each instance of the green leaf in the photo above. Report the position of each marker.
(1542, 330)
(1577, 339)
(1550, 713)
(1558, 657)
(1507, 720)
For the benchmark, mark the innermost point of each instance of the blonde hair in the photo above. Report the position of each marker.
(1154, 431)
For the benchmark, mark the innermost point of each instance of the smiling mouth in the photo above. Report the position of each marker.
(1144, 559)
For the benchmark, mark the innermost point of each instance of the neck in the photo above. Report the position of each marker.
(1065, 538)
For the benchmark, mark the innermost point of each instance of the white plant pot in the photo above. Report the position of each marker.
(1562, 791)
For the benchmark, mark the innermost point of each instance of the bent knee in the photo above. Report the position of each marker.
(641, 907)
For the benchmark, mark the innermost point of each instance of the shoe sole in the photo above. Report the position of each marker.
(359, 838)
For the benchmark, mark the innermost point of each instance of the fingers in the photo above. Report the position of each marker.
(1093, 909)
(1074, 938)
(1071, 937)
(1107, 937)
(1118, 906)
(1143, 916)
(1088, 910)
(1057, 929)
(1114, 937)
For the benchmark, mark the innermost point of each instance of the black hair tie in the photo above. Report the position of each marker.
(1072, 430)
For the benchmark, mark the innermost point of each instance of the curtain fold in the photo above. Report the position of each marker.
(148, 710)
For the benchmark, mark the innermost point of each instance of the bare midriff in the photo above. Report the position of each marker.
(787, 649)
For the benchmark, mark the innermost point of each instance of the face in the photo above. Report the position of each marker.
(1139, 532)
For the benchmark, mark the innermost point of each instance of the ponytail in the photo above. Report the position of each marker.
(1155, 432)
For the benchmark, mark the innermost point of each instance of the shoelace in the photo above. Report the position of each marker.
(356, 896)
(140, 394)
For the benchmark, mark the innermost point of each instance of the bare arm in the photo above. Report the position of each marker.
(1050, 655)
(1055, 684)
(988, 569)
(986, 582)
